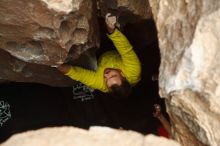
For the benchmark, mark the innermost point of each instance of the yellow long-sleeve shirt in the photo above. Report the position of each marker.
(124, 59)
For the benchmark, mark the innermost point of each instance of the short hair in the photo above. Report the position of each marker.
(121, 91)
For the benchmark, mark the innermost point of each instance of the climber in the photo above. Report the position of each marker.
(165, 130)
(117, 70)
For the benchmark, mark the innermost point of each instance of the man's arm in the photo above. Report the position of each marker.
(85, 76)
(157, 114)
(123, 46)
(129, 58)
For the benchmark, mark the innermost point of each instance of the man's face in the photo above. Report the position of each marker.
(112, 77)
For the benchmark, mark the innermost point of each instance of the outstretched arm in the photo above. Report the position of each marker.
(85, 76)
(157, 114)
(130, 60)
(121, 43)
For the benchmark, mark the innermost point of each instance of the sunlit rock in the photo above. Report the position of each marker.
(190, 67)
(96, 136)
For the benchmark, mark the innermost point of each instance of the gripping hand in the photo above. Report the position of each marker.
(110, 22)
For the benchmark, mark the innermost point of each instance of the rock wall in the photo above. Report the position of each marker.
(190, 68)
(127, 11)
(43, 31)
(139, 8)
(20, 71)
(96, 136)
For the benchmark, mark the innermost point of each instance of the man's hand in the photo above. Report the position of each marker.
(157, 113)
(110, 22)
(163, 120)
(64, 68)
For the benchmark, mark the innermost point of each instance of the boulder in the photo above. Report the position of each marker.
(96, 136)
(189, 77)
(46, 32)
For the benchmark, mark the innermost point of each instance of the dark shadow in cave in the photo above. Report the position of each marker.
(36, 106)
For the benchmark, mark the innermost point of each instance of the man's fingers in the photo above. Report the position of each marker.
(110, 18)
(157, 106)
(107, 15)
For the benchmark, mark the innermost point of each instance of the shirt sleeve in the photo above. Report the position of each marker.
(132, 65)
(85, 76)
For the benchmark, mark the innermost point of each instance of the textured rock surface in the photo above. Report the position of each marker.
(190, 67)
(126, 10)
(43, 31)
(16, 70)
(96, 136)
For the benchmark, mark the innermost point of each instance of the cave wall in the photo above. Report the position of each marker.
(37, 34)
(189, 79)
